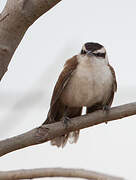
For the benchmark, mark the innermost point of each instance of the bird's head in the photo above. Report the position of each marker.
(94, 50)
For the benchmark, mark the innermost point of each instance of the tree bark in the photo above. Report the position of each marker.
(47, 132)
(55, 172)
(15, 19)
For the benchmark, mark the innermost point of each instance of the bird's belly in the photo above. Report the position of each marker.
(88, 86)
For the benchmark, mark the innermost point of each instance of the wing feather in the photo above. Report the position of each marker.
(56, 106)
(114, 86)
(63, 79)
(114, 78)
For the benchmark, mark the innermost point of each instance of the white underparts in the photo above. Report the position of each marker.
(90, 83)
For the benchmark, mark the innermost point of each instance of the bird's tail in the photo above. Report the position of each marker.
(61, 141)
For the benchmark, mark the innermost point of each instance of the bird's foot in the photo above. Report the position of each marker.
(66, 120)
(106, 109)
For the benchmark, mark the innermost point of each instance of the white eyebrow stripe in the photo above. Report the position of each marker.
(84, 48)
(102, 50)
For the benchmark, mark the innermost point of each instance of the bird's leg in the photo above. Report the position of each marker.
(106, 109)
(65, 117)
(66, 121)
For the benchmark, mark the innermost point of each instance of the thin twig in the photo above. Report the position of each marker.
(55, 172)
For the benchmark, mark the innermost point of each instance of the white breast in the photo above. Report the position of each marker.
(91, 83)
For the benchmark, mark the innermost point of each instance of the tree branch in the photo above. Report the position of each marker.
(55, 172)
(15, 19)
(47, 132)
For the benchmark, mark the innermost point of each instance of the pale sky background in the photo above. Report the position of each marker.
(26, 89)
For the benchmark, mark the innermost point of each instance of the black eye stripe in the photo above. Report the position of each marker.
(95, 54)
(100, 54)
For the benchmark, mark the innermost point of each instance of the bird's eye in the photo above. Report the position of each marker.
(83, 51)
(100, 54)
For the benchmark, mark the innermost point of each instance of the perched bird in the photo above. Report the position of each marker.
(86, 80)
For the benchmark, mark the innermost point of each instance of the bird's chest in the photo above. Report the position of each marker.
(89, 84)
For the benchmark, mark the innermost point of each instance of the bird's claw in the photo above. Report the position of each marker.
(66, 121)
(106, 109)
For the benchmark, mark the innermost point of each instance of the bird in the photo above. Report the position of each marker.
(87, 80)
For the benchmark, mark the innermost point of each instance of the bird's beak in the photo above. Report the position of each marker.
(89, 53)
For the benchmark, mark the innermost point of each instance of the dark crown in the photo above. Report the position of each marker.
(91, 46)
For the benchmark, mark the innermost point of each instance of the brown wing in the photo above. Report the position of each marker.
(114, 78)
(114, 86)
(63, 79)
(56, 107)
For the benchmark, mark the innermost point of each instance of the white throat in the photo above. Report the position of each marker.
(93, 59)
